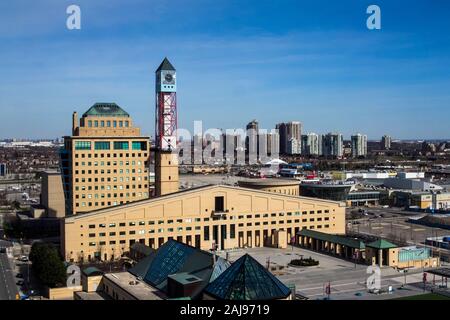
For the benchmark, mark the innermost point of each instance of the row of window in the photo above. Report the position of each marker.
(109, 163)
(106, 145)
(114, 187)
(109, 179)
(106, 195)
(110, 155)
(109, 171)
(206, 237)
(161, 222)
(108, 123)
(113, 203)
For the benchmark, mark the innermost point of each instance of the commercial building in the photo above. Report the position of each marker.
(105, 161)
(288, 131)
(411, 184)
(222, 217)
(282, 186)
(359, 145)
(330, 190)
(379, 252)
(363, 198)
(333, 145)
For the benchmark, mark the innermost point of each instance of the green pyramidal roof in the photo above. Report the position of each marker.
(165, 65)
(247, 279)
(381, 244)
(103, 109)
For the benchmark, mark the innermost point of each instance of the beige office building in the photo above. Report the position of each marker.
(220, 216)
(104, 162)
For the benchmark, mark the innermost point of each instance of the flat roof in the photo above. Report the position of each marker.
(140, 290)
(339, 239)
(269, 182)
(96, 295)
(443, 272)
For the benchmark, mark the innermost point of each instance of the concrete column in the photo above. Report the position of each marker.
(219, 236)
(380, 257)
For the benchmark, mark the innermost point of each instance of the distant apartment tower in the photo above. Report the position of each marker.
(386, 142)
(288, 131)
(252, 141)
(3, 169)
(311, 144)
(333, 145)
(105, 161)
(293, 146)
(233, 148)
(359, 145)
(273, 144)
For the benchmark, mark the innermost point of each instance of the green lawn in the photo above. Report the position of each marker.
(426, 296)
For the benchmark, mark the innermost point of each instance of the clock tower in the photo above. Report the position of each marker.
(166, 161)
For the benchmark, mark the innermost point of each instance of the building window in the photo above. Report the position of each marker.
(219, 204)
(139, 145)
(82, 145)
(206, 233)
(120, 145)
(102, 145)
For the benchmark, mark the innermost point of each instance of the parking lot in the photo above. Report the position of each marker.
(347, 280)
(392, 224)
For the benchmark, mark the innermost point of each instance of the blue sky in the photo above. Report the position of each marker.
(312, 61)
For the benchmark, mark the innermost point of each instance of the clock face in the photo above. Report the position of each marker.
(168, 78)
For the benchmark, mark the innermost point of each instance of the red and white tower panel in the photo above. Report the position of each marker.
(166, 107)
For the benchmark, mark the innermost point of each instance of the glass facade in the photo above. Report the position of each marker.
(139, 145)
(413, 253)
(82, 145)
(169, 260)
(120, 145)
(247, 279)
(102, 145)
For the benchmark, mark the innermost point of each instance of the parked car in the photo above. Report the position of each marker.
(20, 283)
(23, 258)
(19, 275)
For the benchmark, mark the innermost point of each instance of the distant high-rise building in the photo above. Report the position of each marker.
(252, 141)
(253, 125)
(293, 146)
(359, 145)
(333, 145)
(386, 142)
(273, 144)
(311, 144)
(233, 148)
(288, 131)
(105, 161)
(3, 170)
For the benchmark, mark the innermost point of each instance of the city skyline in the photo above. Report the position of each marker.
(317, 64)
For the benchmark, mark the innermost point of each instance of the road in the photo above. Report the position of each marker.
(8, 288)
